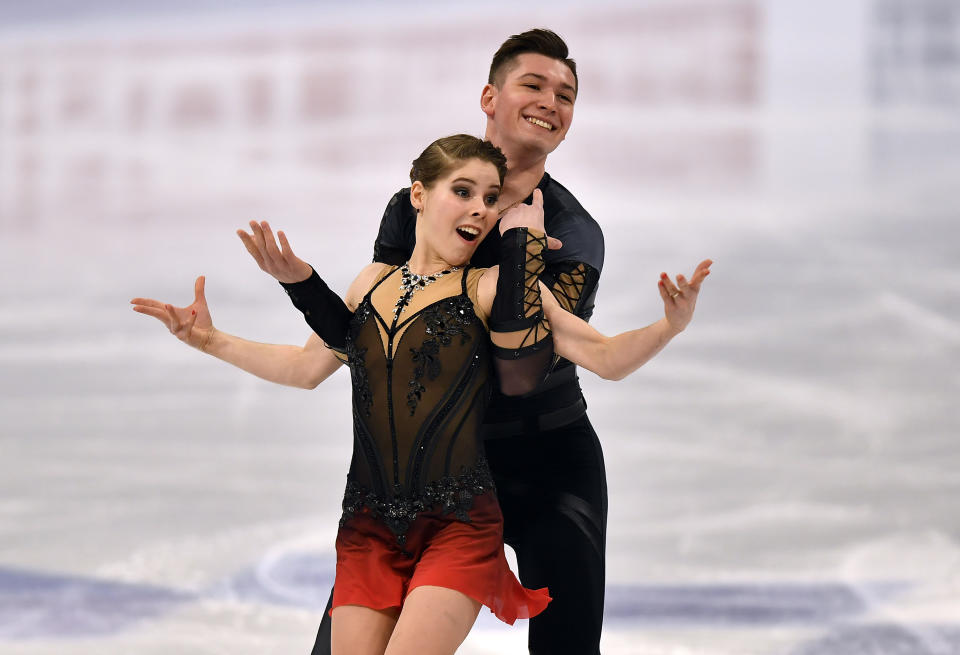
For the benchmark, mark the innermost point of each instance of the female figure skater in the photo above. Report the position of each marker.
(420, 545)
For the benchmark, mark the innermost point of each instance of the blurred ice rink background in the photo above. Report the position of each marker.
(784, 479)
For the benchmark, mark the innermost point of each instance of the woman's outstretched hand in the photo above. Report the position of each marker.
(680, 298)
(530, 216)
(191, 324)
(280, 262)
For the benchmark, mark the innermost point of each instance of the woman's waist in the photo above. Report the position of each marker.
(400, 504)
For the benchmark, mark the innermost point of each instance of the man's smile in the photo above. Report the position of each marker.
(539, 122)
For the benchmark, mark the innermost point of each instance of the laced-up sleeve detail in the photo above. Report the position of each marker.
(324, 311)
(522, 342)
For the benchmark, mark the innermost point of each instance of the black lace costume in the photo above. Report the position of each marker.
(421, 383)
(421, 360)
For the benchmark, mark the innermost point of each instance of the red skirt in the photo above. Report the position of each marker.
(374, 571)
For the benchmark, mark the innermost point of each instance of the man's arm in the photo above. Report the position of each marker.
(573, 272)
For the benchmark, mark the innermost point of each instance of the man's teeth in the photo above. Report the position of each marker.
(537, 121)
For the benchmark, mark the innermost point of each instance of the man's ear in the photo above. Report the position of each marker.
(416, 195)
(488, 99)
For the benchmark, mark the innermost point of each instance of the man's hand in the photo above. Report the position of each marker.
(280, 262)
(191, 324)
(679, 299)
(529, 216)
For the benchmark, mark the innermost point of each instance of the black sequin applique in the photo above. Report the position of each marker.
(356, 360)
(443, 321)
(450, 494)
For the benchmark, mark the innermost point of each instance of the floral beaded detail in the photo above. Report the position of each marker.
(452, 494)
(358, 377)
(444, 321)
(356, 359)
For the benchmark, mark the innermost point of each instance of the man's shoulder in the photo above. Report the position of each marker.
(399, 203)
(559, 204)
(565, 218)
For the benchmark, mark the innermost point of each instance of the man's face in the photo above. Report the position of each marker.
(532, 108)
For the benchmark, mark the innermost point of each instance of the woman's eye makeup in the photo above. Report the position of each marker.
(492, 199)
(461, 191)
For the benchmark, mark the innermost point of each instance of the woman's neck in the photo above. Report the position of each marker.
(424, 262)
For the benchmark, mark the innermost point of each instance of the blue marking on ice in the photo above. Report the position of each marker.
(885, 639)
(739, 604)
(298, 579)
(36, 604)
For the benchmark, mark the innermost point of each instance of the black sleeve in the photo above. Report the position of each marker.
(573, 272)
(324, 311)
(397, 235)
(522, 341)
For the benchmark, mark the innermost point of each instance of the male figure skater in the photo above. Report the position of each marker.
(545, 456)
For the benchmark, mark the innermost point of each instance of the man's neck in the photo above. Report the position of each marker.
(518, 185)
(524, 172)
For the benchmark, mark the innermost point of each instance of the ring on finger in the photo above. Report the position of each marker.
(674, 294)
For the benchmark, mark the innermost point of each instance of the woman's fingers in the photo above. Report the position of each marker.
(285, 249)
(537, 198)
(554, 244)
(198, 296)
(251, 247)
(257, 237)
(701, 272)
(174, 324)
(667, 284)
(270, 242)
(158, 313)
(147, 302)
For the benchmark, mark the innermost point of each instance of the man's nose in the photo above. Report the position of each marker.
(548, 101)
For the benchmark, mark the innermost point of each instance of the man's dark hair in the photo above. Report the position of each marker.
(538, 41)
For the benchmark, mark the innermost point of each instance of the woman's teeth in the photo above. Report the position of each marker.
(468, 233)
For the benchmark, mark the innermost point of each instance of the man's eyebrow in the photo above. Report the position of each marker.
(543, 78)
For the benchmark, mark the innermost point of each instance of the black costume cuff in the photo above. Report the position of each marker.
(517, 303)
(324, 311)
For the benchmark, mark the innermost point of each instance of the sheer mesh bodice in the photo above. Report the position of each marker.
(420, 389)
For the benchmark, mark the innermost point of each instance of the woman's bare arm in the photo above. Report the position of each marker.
(614, 358)
(298, 366)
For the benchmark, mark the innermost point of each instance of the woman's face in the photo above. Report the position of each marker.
(458, 211)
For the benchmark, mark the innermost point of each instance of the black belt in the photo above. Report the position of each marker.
(531, 425)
